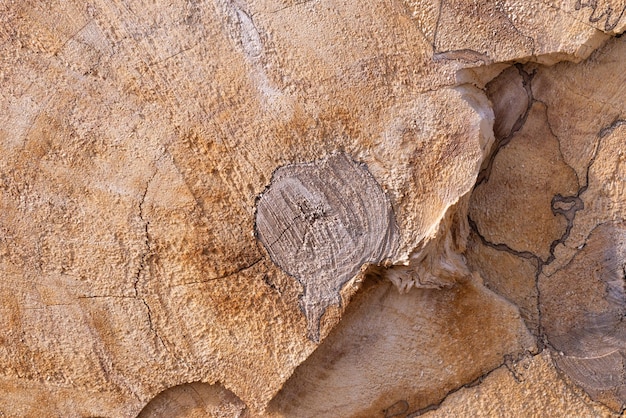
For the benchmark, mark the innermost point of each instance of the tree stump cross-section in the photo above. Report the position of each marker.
(321, 222)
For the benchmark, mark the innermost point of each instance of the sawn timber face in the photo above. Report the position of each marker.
(322, 222)
(135, 137)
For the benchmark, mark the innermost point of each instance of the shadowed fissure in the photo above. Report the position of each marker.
(317, 225)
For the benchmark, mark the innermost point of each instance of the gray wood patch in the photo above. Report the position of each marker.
(583, 309)
(320, 222)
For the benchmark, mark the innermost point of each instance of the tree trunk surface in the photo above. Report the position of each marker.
(312, 208)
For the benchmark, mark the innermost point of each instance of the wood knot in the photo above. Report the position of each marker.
(320, 222)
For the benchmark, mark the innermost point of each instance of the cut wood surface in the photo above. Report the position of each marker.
(282, 208)
(321, 222)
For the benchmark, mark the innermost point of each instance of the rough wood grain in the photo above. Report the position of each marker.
(194, 400)
(136, 136)
(389, 349)
(562, 262)
(527, 387)
(322, 222)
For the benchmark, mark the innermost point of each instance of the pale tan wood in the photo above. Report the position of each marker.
(137, 138)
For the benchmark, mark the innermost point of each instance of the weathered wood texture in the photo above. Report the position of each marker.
(138, 145)
(194, 400)
(530, 387)
(548, 216)
(322, 222)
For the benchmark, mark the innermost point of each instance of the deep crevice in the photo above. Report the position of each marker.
(483, 175)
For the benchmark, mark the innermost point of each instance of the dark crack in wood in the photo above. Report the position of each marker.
(612, 16)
